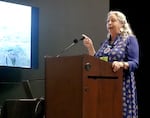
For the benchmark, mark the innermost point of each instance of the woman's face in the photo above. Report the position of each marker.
(113, 24)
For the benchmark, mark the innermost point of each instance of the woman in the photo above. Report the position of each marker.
(122, 49)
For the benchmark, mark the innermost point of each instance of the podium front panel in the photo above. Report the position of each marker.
(82, 87)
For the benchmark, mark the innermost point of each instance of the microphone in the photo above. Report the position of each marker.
(68, 47)
(81, 39)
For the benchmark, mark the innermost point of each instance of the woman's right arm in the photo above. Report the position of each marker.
(89, 45)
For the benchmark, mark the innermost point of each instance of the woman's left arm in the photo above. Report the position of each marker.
(132, 53)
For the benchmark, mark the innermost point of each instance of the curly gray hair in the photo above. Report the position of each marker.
(126, 30)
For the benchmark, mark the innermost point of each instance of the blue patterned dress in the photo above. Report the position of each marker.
(128, 51)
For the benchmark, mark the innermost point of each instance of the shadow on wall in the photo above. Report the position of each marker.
(10, 74)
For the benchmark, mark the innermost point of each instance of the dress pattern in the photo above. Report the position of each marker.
(124, 50)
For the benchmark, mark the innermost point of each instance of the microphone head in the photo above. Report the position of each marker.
(82, 38)
(75, 40)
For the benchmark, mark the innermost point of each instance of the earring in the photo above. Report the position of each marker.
(121, 29)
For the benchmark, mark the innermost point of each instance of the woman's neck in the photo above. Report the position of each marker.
(113, 36)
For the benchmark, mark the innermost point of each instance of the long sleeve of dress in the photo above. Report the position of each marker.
(132, 53)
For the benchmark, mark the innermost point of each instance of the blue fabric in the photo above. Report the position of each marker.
(128, 51)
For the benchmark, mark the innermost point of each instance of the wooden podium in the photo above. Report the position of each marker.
(82, 87)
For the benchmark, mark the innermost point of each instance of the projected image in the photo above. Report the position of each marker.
(15, 35)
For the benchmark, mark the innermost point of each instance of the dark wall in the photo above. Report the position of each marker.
(60, 22)
(137, 15)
